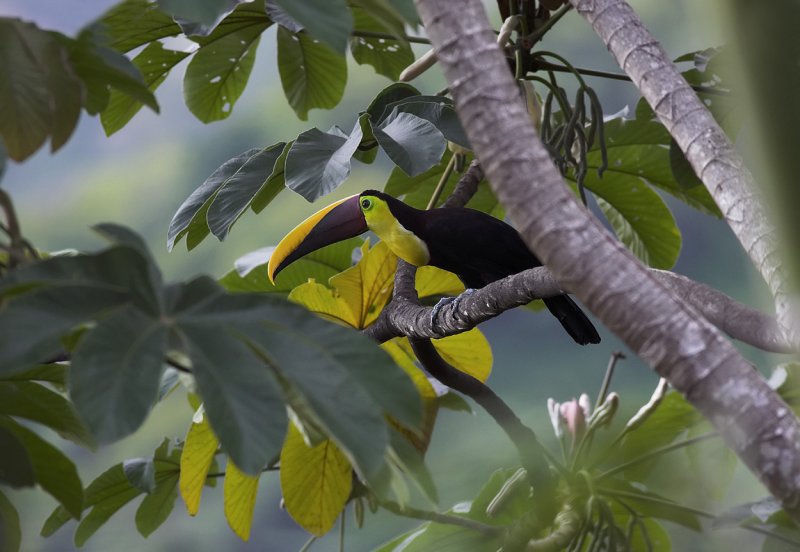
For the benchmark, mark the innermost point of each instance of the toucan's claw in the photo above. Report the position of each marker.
(446, 301)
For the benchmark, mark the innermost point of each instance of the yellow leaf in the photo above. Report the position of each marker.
(316, 482)
(469, 352)
(430, 408)
(359, 293)
(435, 281)
(326, 302)
(198, 454)
(240, 499)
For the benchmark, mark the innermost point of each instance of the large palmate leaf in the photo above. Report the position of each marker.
(238, 181)
(39, 89)
(315, 482)
(248, 354)
(312, 75)
(319, 162)
(205, 13)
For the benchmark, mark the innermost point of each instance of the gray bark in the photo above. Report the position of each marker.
(667, 333)
(701, 139)
(403, 317)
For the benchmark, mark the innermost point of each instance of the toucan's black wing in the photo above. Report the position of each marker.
(481, 249)
(477, 247)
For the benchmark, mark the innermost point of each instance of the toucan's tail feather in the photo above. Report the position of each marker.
(573, 319)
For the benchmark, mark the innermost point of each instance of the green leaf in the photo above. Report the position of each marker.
(513, 507)
(274, 184)
(10, 532)
(315, 482)
(712, 463)
(141, 473)
(327, 20)
(641, 220)
(437, 110)
(241, 397)
(105, 495)
(410, 462)
(681, 169)
(16, 465)
(101, 69)
(157, 506)
(412, 143)
(37, 403)
(240, 188)
(785, 379)
(218, 72)
(637, 149)
(50, 373)
(133, 23)
(280, 17)
(38, 87)
(319, 162)
(155, 63)
(116, 371)
(388, 57)
(672, 418)
(241, 173)
(742, 514)
(312, 75)
(53, 471)
(407, 10)
(250, 274)
(391, 94)
(649, 504)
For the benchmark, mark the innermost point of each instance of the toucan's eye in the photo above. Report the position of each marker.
(366, 204)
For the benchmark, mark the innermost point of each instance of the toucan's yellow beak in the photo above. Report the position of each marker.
(336, 222)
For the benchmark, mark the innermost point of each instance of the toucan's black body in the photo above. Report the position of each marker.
(481, 249)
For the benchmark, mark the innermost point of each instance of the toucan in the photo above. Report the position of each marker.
(475, 246)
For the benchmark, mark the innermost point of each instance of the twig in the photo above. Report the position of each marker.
(612, 363)
(408, 511)
(437, 192)
(222, 473)
(539, 33)
(547, 66)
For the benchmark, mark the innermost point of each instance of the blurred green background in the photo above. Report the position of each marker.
(140, 176)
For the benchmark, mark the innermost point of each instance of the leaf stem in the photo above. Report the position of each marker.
(545, 65)
(437, 192)
(222, 473)
(612, 364)
(307, 546)
(387, 36)
(656, 452)
(416, 513)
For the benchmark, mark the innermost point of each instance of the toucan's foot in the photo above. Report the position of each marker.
(446, 301)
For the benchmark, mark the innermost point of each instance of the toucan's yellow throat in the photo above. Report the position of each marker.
(344, 219)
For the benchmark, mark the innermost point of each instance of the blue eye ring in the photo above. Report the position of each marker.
(366, 204)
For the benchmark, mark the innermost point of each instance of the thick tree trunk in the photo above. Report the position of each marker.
(671, 336)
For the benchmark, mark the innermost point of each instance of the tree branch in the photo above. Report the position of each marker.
(703, 142)
(665, 331)
(405, 318)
